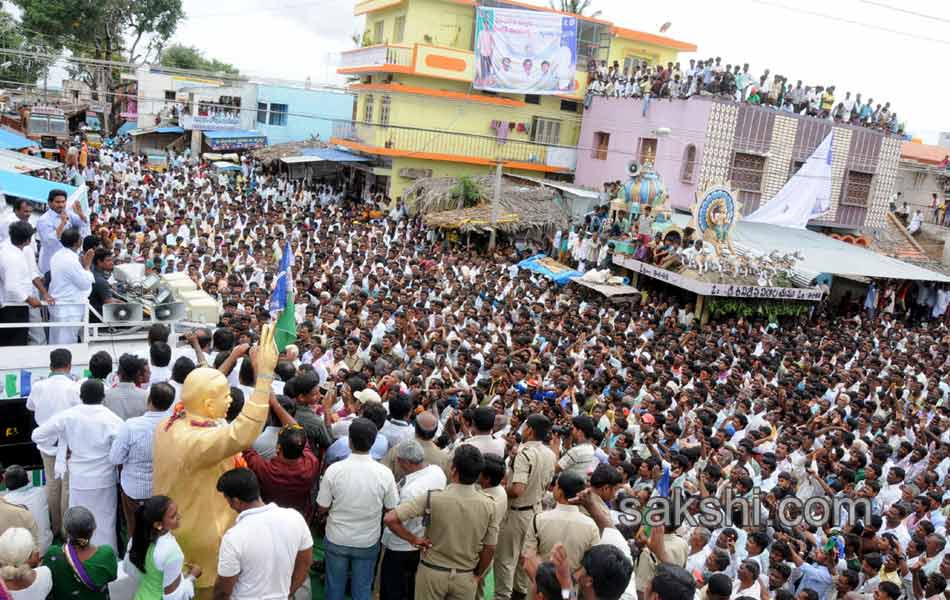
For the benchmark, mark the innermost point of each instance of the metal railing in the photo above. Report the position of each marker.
(411, 139)
(373, 56)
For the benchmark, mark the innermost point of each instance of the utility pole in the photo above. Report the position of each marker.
(496, 198)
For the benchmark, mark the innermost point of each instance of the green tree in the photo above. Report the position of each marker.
(188, 57)
(577, 7)
(131, 31)
(15, 68)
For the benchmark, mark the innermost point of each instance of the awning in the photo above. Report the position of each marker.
(168, 129)
(822, 253)
(234, 140)
(223, 165)
(18, 162)
(563, 187)
(126, 128)
(37, 189)
(14, 141)
(334, 155)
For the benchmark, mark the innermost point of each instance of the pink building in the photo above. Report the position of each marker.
(702, 141)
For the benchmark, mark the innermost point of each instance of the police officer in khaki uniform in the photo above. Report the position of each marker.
(532, 472)
(16, 515)
(461, 531)
(565, 524)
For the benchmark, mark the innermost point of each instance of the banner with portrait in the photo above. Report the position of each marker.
(525, 51)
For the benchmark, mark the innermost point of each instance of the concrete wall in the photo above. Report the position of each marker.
(624, 120)
(327, 104)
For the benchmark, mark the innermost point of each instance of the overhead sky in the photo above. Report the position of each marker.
(890, 50)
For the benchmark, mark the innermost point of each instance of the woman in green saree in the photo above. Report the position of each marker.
(81, 571)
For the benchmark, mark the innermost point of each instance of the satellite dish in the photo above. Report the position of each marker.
(633, 168)
(121, 313)
(173, 311)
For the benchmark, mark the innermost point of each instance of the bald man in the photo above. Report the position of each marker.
(426, 425)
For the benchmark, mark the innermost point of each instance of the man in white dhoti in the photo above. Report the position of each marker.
(70, 286)
(86, 433)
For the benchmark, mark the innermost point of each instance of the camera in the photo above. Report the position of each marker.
(561, 430)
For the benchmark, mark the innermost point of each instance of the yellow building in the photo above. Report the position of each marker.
(418, 114)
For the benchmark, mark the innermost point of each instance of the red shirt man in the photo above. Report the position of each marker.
(288, 478)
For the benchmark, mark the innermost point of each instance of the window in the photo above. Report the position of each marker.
(857, 189)
(170, 95)
(384, 110)
(400, 30)
(688, 168)
(747, 171)
(378, 32)
(601, 143)
(569, 106)
(546, 131)
(647, 151)
(593, 41)
(75, 95)
(262, 112)
(368, 109)
(532, 99)
(278, 114)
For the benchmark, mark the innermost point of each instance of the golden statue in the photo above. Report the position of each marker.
(192, 449)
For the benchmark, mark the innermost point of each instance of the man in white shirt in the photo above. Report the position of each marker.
(83, 436)
(70, 284)
(483, 420)
(401, 560)
(16, 284)
(22, 492)
(266, 555)
(49, 397)
(353, 494)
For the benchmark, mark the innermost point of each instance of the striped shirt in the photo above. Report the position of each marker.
(132, 449)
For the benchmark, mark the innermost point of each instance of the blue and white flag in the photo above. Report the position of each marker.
(283, 284)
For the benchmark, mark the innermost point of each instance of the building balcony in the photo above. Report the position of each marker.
(425, 60)
(426, 144)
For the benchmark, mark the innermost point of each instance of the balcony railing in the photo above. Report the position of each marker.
(377, 56)
(462, 145)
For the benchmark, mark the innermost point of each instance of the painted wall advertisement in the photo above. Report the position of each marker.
(525, 51)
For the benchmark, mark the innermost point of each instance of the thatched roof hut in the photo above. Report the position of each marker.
(522, 206)
(267, 154)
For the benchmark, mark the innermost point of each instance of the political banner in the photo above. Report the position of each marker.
(525, 51)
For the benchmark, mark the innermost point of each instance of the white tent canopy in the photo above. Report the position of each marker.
(822, 253)
(806, 196)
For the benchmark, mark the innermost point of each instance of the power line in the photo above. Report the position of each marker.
(676, 159)
(906, 34)
(906, 11)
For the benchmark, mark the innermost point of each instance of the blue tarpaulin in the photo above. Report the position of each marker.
(550, 268)
(14, 141)
(37, 189)
(126, 128)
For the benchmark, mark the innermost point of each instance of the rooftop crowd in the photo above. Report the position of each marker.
(736, 82)
(447, 424)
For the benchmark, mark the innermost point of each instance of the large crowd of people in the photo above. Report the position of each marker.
(736, 82)
(447, 425)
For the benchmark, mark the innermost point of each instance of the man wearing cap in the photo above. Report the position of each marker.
(580, 459)
(532, 471)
